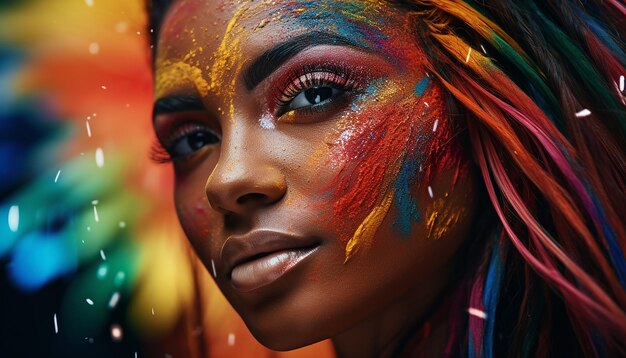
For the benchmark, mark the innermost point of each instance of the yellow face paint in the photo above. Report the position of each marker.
(229, 58)
(364, 234)
(441, 217)
(169, 76)
(221, 76)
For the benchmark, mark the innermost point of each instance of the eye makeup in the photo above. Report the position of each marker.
(334, 73)
(330, 80)
(181, 135)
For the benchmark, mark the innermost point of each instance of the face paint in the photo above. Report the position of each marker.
(441, 218)
(345, 138)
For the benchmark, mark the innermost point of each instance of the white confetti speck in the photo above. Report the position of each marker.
(231, 339)
(468, 55)
(483, 48)
(102, 271)
(213, 267)
(88, 129)
(94, 48)
(116, 332)
(435, 125)
(103, 87)
(122, 224)
(115, 298)
(89, 301)
(95, 214)
(426, 103)
(99, 158)
(94, 202)
(56, 178)
(153, 311)
(430, 192)
(14, 218)
(476, 312)
(89, 3)
(104, 258)
(56, 325)
(584, 113)
(135, 354)
(621, 83)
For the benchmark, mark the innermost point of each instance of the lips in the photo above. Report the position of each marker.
(261, 257)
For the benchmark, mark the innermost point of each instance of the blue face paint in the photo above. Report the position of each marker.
(421, 86)
(345, 19)
(407, 211)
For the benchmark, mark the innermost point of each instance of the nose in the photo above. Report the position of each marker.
(242, 181)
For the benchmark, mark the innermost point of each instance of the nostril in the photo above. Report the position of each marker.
(251, 198)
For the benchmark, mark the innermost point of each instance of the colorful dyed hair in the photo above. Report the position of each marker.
(545, 118)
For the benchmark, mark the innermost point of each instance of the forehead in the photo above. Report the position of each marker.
(255, 24)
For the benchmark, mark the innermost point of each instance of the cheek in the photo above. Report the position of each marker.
(197, 219)
(388, 152)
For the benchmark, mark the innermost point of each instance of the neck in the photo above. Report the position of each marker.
(401, 326)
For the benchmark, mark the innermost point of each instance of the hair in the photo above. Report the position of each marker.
(538, 82)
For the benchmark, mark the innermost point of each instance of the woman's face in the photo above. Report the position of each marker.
(318, 175)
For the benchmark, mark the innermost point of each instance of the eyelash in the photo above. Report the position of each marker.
(159, 153)
(312, 76)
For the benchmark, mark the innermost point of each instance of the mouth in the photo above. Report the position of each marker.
(261, 257)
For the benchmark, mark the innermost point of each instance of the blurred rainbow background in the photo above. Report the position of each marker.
(93, 262)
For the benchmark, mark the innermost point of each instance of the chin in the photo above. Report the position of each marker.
(284, 339)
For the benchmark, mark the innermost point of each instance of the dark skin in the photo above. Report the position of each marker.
(242, 164)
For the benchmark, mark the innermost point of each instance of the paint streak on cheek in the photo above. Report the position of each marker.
(370, 147)
(441, 217)
(388, 149)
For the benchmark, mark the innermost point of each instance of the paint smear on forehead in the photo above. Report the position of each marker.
(228, 60)
(351, 19)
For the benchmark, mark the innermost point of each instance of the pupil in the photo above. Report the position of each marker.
(198, 140)
(317, 95)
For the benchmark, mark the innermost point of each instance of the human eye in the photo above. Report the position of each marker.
(184, 142)
(314, 89)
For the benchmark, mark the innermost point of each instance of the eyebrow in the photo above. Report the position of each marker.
(175, 104)
(273, 58)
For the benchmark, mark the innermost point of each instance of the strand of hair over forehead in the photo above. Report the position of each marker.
(554, 177)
